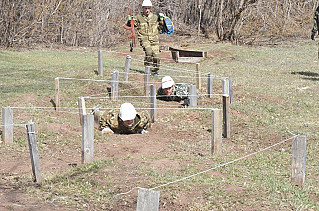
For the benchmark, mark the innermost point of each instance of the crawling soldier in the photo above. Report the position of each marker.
(124, 120)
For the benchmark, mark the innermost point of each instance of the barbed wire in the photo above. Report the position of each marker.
(43, 108)
(210, 169)
(139, 96)
(107, 93)
(108, 81)
(17, 125)
(176, 69)
(110, 108)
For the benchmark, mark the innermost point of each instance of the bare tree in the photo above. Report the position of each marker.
(98, 23)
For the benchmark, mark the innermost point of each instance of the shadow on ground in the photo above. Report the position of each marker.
(309, 75)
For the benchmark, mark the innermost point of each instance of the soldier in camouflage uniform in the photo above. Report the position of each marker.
(124, 120)
(169, 91)
(315, 26)
(148, 25)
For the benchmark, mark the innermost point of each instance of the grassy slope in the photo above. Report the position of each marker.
(275, 90)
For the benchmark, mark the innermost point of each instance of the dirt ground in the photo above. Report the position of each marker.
(17, 164)
(54, 159)
(57, 156)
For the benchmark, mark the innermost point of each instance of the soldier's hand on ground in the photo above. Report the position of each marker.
(107, 130)
(187, 102)
(313, 36)
(142, 131)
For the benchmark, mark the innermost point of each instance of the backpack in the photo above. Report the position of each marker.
(168, 26)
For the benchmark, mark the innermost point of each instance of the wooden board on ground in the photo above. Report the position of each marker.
(187, 56)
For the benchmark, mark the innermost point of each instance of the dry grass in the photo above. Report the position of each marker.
(275, 93)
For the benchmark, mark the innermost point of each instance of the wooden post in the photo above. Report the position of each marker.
(82, 108)
(216, 145)
(177, 56)
(230, 88)
(100, 58)
(147, 200)
(153, 103)
(57, 94)
(117, 74)
(210, 85)
(7, 125)
(225, 86)
(298, 164)
(198, 76)
(97, 118)
(127, 67)
(34, 154)
(114, 85)
(147, 80)
(193, 96)
(226, 116)
(87, 146)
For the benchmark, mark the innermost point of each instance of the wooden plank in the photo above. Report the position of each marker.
(189, 59)
(216, 141)
(7, 125)
(34, 154)
(226, 116)
(87, 146)
(189, 53)
(187, 56)
(147, 200)
(298, 164)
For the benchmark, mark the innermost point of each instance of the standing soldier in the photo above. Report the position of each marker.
(169, 91)
(123, 121)
(315, 26)
(148, 26)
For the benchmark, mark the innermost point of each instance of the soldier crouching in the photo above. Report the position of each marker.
(124, 120)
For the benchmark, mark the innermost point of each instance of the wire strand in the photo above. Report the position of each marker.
(218, 166)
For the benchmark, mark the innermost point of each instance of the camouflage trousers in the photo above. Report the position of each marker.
(152, 55)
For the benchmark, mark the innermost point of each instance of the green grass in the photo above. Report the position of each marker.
(276, 90)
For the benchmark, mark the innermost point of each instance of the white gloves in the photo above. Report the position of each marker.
(142, 131)
(107, 130)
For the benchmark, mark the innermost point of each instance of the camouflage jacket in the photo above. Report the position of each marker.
(180, 92)
(316, 21)
(147, 27)
(112, 120)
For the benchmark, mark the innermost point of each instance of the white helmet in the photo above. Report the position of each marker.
(147, 3)
(127, 112)
(167, 82)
